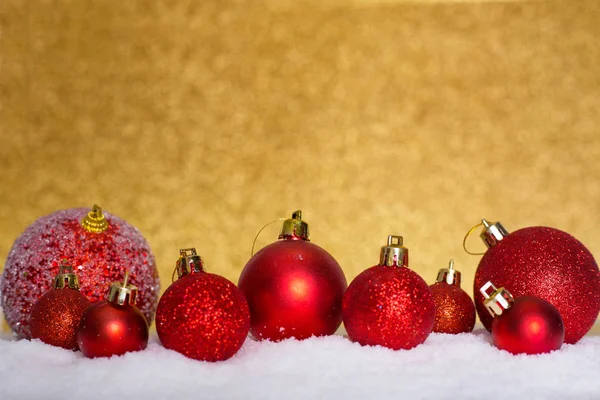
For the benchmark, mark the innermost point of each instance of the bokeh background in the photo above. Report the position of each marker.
(201, 121)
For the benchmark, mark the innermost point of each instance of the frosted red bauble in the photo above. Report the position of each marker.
(388, 306)
(549, 264)
(294, 289)
(203, 316)
(108, 329)
(530, 326)
(98, 260)
(56, 316)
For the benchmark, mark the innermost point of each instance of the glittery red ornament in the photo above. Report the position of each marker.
(113, 327)
(545, 263)
(454, 309)
(202, 316)
(98, 245)
(527, 324)
(389, 304)
(294, 288)
(56, 315)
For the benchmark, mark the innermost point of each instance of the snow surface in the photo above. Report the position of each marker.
(463, 366)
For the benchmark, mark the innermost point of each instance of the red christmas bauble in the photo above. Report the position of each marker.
(390, 306)
(202, 316)
(56, 316)
(294, 289)
(100, 257)
(454, 309)
(113, 327)
(531, 326)
(549, 264)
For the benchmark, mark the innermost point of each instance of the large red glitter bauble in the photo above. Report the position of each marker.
(530, 326)
(294, 289)
(388, 306)
(454, 309)
(203, 316)
(549, 264)
(109, 329)
(56, 316)
(99, 260)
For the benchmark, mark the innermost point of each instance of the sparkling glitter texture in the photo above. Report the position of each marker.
(546, 263)
(56, 316)
(454, 309)
(98, 258)
(203, 316)
(530, 326)
(388, 306)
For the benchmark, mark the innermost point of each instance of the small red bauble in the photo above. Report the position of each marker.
(96, 244)
(546, 263)
(56, 315)
(113, 327)
(294, 288)
(454, 309)
(528, 324)
(202, 316)
(389, 304)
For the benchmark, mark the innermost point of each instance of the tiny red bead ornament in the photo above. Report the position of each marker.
(454, 309)
(546, 263)
(113, 327)
(294, 288)
(201, 315)
(56, 315)
(389, 304)
(96, 243)
(527, 324)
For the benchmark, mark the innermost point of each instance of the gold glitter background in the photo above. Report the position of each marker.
(199, 122)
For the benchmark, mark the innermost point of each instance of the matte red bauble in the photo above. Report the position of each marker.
(294, 288)
(56, 315)
(113, 327)
(454, 309)
(389, 304)
(546, 263)
(527, 324)
(96, 243)
(202, 316)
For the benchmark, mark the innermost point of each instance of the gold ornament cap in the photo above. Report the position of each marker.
(122, 293)
(449, 275)
(295, 227)
(189, 262)
(66, 278)
(95, 221)
(492, 233)
(498, 301)
(394, 253)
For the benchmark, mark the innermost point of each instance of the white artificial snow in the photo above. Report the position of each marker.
(463, 366)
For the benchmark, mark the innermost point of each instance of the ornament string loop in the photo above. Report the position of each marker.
(467, 236)
(260, 230)
(189, 262)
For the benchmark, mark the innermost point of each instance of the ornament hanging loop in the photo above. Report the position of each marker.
(449, 275)
(189, 262)
(123, 293)
(496, 300)
(469, 233)
(394, 253)
(94, 221)
(259, 232)
(66, 277)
